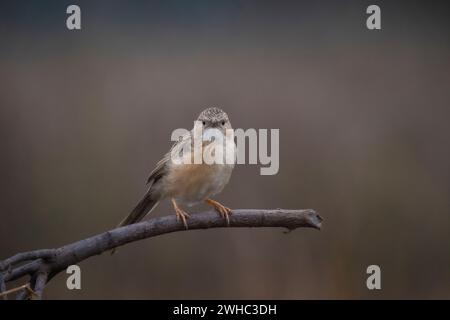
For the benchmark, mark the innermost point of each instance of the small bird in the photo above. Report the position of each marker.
(189, 183)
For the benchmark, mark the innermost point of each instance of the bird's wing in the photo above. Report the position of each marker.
(161, 166)
(159, 170)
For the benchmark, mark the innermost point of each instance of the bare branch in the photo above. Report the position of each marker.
(26, 269)
(40, 282)
(25, 288)
(48, 262)
(27, 256)
(2, 287)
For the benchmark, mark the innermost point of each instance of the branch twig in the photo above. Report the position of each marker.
(2, 287)
(44, 264)
(40, 282)
(25, 287)
(26, 256)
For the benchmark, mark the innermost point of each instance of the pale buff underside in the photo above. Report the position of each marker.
(193, 183)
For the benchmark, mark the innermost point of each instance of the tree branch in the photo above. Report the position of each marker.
(44, 264)
(26, 256)
(2, 286)
(40, 282)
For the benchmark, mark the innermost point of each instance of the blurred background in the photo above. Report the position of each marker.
(364, 139)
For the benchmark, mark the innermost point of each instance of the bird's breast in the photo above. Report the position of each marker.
(193, 183)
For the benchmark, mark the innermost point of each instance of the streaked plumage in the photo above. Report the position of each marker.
(187, 184)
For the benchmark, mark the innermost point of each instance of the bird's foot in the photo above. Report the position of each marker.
(224, 212)
(181, 214)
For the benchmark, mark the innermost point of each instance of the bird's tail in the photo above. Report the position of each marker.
(145, 206)
(147, 203)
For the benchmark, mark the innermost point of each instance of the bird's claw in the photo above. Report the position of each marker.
(182, 215)
(224, 212)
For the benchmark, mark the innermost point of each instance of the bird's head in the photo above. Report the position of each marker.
(214, 118)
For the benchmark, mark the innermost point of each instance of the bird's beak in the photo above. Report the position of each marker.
(209, 133)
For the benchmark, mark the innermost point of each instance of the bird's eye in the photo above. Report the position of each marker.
(223, 123)
(204, 122)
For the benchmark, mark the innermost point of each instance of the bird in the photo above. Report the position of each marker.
(188, 184)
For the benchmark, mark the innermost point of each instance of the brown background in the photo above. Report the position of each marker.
(364, 139)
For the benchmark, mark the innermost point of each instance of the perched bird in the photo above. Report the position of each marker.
(189, 183)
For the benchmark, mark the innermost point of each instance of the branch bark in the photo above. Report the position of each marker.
(42, 265)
